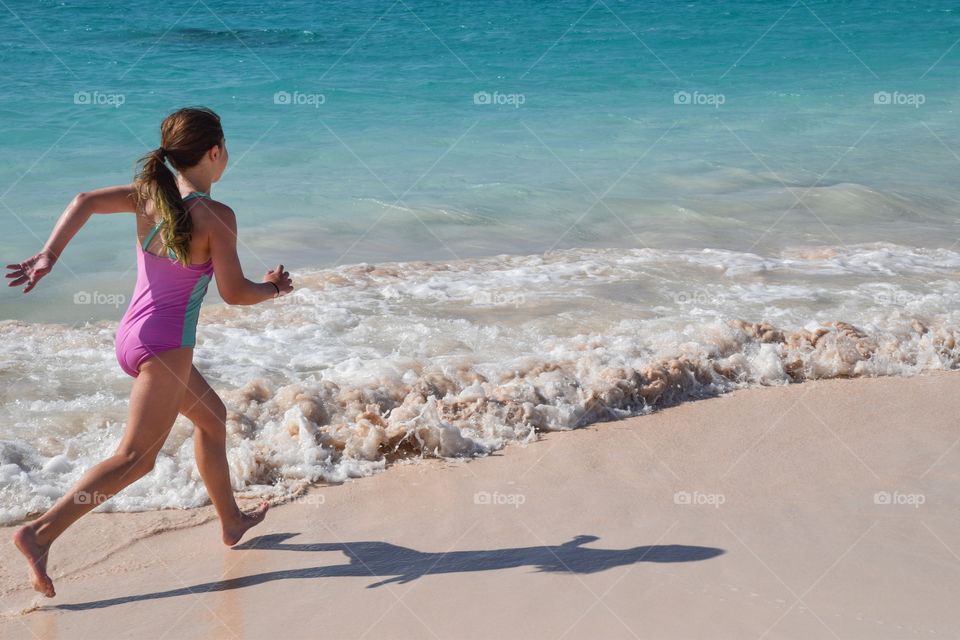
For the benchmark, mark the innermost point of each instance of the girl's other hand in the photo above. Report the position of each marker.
(31, 270)
(280, 278)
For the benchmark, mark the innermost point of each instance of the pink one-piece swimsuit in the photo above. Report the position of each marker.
(165, 306)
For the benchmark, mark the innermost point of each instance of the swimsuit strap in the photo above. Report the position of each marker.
(156, 227)
(150, 234)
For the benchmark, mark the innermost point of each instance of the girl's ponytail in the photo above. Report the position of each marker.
(155, 181)
(186, 136)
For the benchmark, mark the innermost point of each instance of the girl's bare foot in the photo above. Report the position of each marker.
(26, 540)
(233, 532)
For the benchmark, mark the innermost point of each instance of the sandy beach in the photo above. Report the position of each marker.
(435, 259)
(820, 510)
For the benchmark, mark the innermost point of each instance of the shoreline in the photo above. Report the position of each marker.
(751, 512)
(363, 360)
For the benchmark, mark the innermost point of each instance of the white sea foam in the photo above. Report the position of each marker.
(369, 363)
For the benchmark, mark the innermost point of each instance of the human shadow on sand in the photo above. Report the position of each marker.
(401, 564)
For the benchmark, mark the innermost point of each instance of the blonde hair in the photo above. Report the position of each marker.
(185, 136)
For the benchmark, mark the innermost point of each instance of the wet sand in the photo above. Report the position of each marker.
(821, 510)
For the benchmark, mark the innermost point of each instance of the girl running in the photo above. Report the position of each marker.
(183, 238)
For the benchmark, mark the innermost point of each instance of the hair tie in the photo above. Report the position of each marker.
(162, 152)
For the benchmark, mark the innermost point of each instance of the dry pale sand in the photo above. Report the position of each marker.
(751, 515)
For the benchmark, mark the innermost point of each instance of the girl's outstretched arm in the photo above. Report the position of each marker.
(120, 199)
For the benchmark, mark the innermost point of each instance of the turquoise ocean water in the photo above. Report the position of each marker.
(382, 123)
(511, 205)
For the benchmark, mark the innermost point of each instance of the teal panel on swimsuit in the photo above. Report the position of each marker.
(189, 336)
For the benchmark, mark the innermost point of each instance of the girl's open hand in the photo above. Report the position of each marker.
(31, 270)
(280, 278)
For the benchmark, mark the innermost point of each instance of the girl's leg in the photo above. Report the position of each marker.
(204, 408)
(157, 393)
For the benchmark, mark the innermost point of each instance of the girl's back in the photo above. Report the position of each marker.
(166, 301)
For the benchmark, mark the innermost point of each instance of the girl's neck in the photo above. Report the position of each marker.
(193, 183)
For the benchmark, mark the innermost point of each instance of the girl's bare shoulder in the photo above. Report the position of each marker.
(212, 215)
